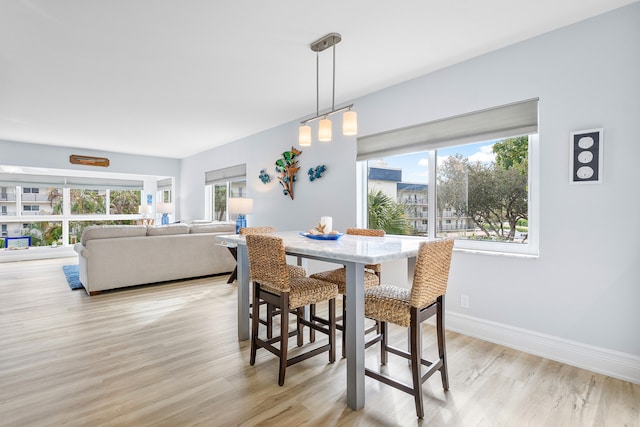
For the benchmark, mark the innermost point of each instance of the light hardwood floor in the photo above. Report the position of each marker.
(167, 355)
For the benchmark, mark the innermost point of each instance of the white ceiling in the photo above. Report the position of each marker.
(176, 77)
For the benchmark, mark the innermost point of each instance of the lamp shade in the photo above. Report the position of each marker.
(145, 210)
(324, 130)
(350, 123)
(304, 136)
(240, 205)
(164, 208)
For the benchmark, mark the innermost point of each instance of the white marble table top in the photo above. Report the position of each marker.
(360, 249)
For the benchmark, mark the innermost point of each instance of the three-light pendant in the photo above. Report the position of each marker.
(349, 117)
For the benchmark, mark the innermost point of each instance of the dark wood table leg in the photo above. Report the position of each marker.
(234, 274)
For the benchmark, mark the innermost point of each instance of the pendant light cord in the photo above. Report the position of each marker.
(333, 94)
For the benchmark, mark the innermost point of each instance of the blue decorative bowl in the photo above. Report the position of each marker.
(323, 236)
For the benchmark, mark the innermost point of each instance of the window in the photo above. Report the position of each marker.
(220, 198)
(220, 184)
(50, 212)
(476, 190)
(481, 192)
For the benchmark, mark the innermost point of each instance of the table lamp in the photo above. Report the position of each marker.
(145, 211)
(165, 209)
(240, 206)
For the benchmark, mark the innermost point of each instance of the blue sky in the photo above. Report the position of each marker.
(414, 166)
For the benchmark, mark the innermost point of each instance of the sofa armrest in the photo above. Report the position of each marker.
(81, 249)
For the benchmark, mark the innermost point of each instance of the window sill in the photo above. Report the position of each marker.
(497, 253)
(37, 252)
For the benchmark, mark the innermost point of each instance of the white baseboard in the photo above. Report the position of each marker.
(612, 363)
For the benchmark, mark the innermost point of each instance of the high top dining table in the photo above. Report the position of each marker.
(353, 252)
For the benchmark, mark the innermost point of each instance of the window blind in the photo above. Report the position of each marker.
(520, 118)
(231, 173)
(59, 181)
(103, 183)
(164, 184)
(26, 180)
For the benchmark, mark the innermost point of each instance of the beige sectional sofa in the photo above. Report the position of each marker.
(117, 256)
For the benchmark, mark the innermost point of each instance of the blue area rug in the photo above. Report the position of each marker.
(73, 277)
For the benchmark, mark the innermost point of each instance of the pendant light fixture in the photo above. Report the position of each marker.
(349, 118)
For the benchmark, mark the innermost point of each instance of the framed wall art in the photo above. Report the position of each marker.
(585, 156)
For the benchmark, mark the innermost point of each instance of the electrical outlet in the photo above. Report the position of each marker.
(464, 301)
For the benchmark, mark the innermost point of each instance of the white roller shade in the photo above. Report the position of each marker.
(59, 181)
(165, 184)
(26, 180)
(510, 120)
(232, 173)
(103, 183)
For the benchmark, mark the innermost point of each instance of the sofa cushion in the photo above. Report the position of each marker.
(166, 230)
(111, 231)
(214, 227)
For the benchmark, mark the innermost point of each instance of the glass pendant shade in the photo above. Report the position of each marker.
(350, 123)
(324, 130)
(304, 136)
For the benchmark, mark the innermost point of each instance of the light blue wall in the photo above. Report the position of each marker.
(585, 286)
(332, 195)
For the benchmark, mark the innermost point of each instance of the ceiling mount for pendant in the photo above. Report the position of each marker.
(349, 118)
(326, 42)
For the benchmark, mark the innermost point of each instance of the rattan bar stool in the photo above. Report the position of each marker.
(339, 277)
(409, 308)
(294, 271)
(272, 283)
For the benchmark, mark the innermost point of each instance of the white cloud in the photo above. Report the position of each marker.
(420, 174)
(485, 155)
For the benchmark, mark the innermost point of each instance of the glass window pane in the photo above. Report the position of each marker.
(220, 202)
(40, 201)
(397, 188)
(85, 201)
(124, 202)
(238, 189)
(482, 191)
(43, 233)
